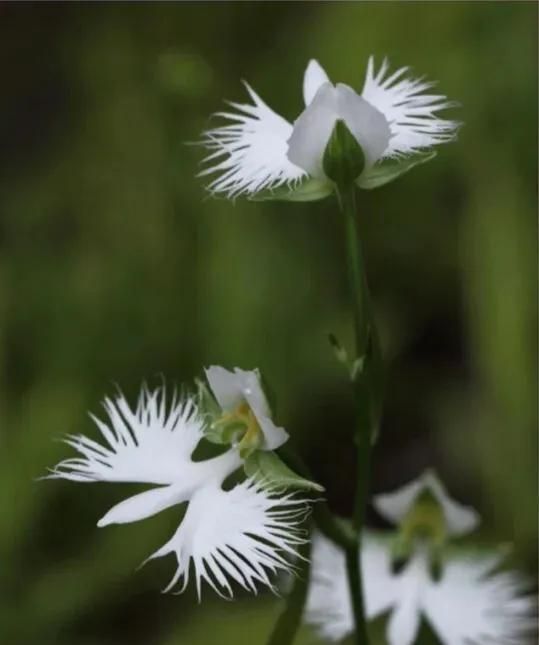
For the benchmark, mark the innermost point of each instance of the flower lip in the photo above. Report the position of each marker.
(232, 389)
(243, 534)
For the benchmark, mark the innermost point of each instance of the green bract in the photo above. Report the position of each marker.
(385, 172)
(311, 190)
(270, 469)
(305, 190)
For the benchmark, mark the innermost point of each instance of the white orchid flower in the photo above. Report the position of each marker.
(392, 118)
(395, 506)
(471, 603)
(244, 534)
(239, 393)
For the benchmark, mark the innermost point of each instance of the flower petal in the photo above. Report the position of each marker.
(151, 444)
(460, 519)
(368, 125)
(249, 154)
(312, 130)
(328, 604)
(469, 605)
(314, 126)
(410, 112)
(314, 78)
(145, 504)
(241, 535)
(404, 623)
(233, 388)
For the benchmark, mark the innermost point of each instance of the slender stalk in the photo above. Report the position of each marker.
(366, 393)
(288, 623)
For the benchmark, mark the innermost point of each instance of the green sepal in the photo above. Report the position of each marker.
(206, 401)
(212, 412)
(343, 159)
(267, 467)
(307, 190)
(384, 173)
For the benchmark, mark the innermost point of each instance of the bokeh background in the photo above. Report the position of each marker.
(116, 266)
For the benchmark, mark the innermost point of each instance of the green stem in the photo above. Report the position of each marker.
(366, 396)
(289, 621)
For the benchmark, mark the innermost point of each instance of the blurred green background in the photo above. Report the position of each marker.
(115, 266)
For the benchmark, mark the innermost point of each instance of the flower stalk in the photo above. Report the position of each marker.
(366, 383)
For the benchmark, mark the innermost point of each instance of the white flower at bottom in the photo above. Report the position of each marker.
(243, 534)
(394, 116)
(470, 604)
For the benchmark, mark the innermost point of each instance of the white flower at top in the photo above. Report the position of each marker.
(394, 116)
(471, 603)
(244, 534)
(394, 506)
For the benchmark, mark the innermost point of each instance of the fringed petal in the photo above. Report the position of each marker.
(473, 605)
(151, 444)
(409, 110)
(249, 154)
(244, 535)
(329, 607)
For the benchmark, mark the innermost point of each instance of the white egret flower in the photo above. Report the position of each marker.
(240, 395)
(471, 603)
(458, 519)
(393, 117)
(244, 534)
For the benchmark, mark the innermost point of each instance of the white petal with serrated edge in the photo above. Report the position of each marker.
(233, 388)
(151, 444)
(473, 605)
(244, 535)
(328, 606)
(469, 604)
(249, 155)
(393, 506)
(313, 79)
(409, 110)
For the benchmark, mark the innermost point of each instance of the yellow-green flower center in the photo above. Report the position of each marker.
(240, 426)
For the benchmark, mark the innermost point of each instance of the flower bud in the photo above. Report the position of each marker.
(343, 160)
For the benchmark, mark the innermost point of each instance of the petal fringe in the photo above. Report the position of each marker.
(150, 444)
(245, 535)
(250, 154)
(410, 112)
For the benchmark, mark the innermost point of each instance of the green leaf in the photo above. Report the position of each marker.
(268, 467)
(386, 172)
(343, 160)
(308, 190)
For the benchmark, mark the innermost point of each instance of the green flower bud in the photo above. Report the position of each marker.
(343, 160)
